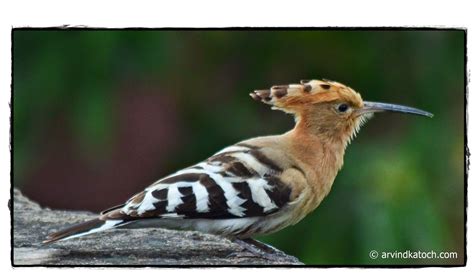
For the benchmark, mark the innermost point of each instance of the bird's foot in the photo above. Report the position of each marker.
(258, 249)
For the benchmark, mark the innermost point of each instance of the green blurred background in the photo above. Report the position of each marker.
(100, 114)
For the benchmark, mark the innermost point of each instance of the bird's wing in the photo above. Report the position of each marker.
(239, 181)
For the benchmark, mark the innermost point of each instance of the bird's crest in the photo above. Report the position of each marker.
(295, 97)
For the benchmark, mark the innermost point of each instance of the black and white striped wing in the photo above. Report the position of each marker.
(238, 181)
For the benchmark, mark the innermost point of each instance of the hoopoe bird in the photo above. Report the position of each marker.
(260, 185)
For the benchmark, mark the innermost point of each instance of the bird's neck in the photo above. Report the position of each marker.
(321, 158)
(324, 129)
(323, 140)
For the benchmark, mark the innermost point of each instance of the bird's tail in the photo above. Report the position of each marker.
(89, 227)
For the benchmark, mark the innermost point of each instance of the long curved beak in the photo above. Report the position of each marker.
(372, 107)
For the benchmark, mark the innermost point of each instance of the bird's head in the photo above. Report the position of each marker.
(326, 107)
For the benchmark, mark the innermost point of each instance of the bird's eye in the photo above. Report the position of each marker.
(342, 107)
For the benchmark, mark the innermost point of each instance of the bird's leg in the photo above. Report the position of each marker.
(259, 249)
(262, 246)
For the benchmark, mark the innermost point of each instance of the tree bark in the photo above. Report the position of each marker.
(133, 247)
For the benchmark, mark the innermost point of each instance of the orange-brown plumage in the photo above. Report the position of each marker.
(321, 134)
